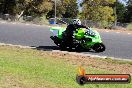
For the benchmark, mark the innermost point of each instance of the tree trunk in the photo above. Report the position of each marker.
(19, 16)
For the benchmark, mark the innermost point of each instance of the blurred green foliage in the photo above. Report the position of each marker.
(100, 11)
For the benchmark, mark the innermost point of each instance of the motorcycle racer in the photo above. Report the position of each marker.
(71, 28)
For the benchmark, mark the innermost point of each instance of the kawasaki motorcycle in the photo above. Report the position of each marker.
(83, 39)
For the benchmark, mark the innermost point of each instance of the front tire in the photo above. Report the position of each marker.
(99, 47)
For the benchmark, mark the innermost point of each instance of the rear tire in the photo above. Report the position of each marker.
(99, 47)
(63, 46)
(56, 40)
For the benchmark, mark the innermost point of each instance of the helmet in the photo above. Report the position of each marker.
(76, 21)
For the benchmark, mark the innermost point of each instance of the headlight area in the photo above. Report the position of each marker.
(90, 33)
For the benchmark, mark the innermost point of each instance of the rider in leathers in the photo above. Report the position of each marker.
(71, 28)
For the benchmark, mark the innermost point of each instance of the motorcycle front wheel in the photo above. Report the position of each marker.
(99, 47)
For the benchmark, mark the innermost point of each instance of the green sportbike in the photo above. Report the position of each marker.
(84, 39)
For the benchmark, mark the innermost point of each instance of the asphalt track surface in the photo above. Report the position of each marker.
(118, 45)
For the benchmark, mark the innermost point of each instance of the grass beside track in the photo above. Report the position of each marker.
(29, 68)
